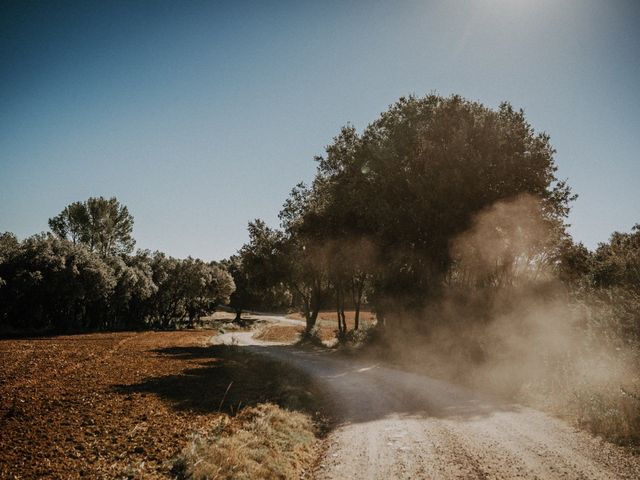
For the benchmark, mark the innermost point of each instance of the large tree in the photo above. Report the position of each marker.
(411, 183)
(103, 225)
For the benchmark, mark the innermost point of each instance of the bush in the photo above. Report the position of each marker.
(311, 337)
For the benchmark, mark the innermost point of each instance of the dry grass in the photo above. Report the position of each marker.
(601, 396)
(261, 442)
(292, 333)
(280, 333)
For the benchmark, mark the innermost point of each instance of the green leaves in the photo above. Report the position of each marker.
(186, 288)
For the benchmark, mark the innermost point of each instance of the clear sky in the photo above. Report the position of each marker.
(201, 116)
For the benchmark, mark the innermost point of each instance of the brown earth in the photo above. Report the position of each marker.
(120, 405)
(65, 414)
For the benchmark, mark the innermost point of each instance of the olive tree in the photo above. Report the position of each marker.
(103, 225)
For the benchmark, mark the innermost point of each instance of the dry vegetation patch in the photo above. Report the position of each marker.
(280, 333)
(292, 333)
(261, 442)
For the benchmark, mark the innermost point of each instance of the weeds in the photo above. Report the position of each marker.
(261, 442)
(311, 337)
(365, 335)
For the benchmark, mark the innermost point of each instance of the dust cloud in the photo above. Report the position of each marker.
(506, 324)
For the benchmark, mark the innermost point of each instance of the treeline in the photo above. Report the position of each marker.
(438, 199)
(84, 276)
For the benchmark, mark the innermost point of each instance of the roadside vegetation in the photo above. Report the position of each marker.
(261, 442)
(279, 415)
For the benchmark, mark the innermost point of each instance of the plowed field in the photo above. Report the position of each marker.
(113, 405)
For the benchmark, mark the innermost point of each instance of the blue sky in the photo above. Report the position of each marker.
(201, 116)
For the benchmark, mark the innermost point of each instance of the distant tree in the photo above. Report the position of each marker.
(207, 285)
(607, 281)
(617, 262)
(242, 298)
(186, 289)
(264, 266)
(103, 225)
(72, 223)
(9, 245)
(129, 302)
(575, 263)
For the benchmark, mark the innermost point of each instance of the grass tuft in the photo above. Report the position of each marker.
(265, 441)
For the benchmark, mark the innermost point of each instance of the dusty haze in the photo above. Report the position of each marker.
(506, 324)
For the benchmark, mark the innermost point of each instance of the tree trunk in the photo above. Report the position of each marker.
(380, 317)
(358, 303)
(310, 317)
(314, 304)
(339, 308)
(309, 314)
(357, 289)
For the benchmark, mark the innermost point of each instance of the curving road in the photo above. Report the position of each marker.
(403, 425)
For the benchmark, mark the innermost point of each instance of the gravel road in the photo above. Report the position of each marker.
(396, 424)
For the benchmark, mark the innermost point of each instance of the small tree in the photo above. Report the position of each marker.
(242, 298)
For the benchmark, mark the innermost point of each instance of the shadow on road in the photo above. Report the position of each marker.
(227, 377)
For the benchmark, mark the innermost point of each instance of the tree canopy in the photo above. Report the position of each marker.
(103, 225)
(380, 216)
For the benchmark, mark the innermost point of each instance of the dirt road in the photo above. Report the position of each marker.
(403, 425)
